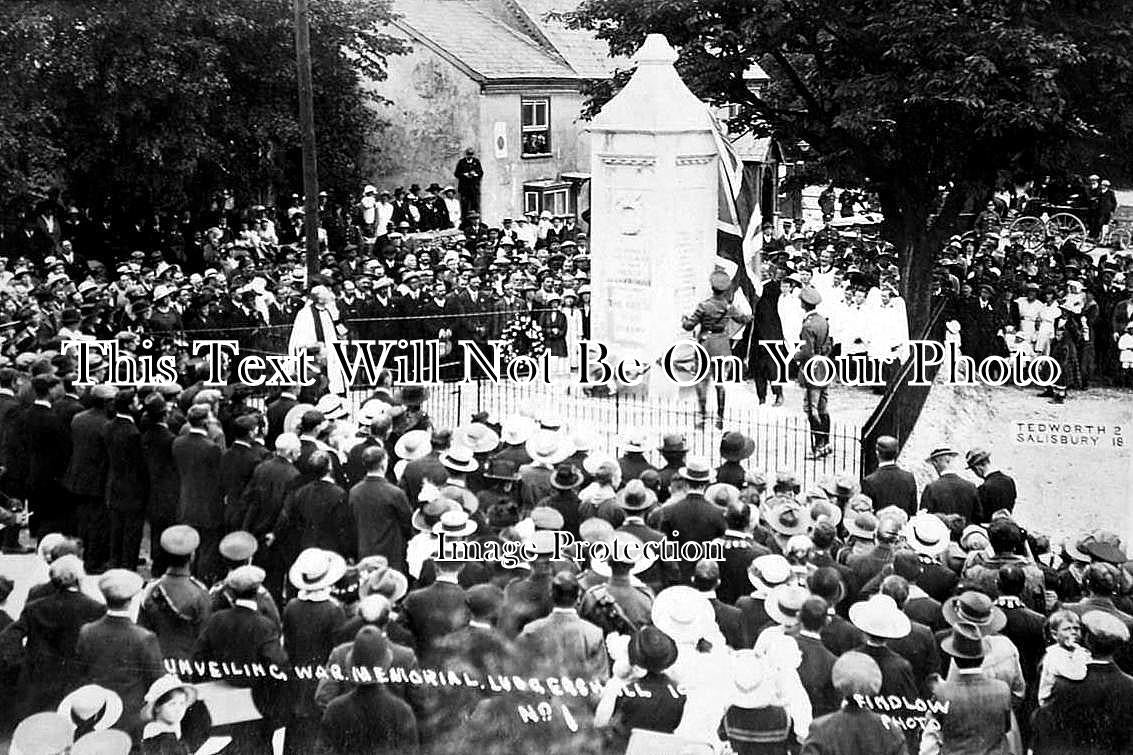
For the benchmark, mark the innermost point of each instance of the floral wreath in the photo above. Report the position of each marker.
(523, 337)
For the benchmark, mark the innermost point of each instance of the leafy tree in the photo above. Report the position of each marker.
(909, 95)
(139, 105)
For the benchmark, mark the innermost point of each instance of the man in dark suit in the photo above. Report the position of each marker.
(240, 635)
(115, 653)
(1091, 715)
(918, 647)
(202, 508)
(237, 465)
(276, 413)
(127, 483)
(85, 478)
(634, 500)
(66, 406)
(47, 440)
(817, 662)
(997, 492)
(381, 512)
(706, 579)
(740, 549)
(575, 644)
(866, 564)
(434, 611)
(693, 518)
(468, 173)
(920, 606)
(369, 713)
(165, 485)
(51, 627)
(319, 513)
(480, 643)
(950, 493)
(978, 713)
(764, 574)
(889, 485)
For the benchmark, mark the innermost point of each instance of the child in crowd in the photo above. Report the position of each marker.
(1065, 658)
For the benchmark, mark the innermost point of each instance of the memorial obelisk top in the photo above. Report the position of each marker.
(654, 194)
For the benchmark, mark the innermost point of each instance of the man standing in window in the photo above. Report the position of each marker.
(468, 174)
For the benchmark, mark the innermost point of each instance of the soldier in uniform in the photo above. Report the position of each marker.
(815, 337)
(713, 316)
(176, 606)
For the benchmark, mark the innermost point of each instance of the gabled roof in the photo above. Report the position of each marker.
(582, 50)
(466, 34)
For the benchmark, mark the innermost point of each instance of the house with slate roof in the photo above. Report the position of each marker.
(504, 77)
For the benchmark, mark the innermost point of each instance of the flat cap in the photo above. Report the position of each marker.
(120, 584)
(244, 578)
(180, 540)
(238, 545)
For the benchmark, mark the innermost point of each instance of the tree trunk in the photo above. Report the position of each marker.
(907, 227)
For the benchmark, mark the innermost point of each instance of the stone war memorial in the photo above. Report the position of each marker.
(653, 207)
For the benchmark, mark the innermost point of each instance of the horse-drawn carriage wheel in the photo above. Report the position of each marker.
(1067, 227)
(1030, 230)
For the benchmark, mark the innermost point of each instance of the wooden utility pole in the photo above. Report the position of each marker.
(307, 124)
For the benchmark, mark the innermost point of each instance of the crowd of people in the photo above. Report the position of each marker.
(851, 616)
(288, 531)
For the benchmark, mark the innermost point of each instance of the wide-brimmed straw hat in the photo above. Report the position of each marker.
(476, 436)
(316, 569)
(684, 614)
(162, 687)
(413, 445)
(93, 706)
(548, 447)
(927, 534)
(879, 616)
(784, 603)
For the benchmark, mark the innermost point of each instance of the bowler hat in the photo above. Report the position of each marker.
(673, 443)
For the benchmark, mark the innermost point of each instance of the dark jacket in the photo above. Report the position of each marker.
(241, 635)
(51, 626)
(814, 673)
(997, 492)
(369, 720)
(952, 494)
(165, 484)
(853, 731)
(116, 653)
(47, 441)
(890, 485)
(319, 512)
(127, 483)
(434, 611)
(1090, 717)
(730, 620)
(739, 552)
(236, 467)
(693, 518)
(198, 465)
(86, 472)
(382, 520)
(271, 482)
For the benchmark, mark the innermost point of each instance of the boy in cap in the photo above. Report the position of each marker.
(115, 653)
